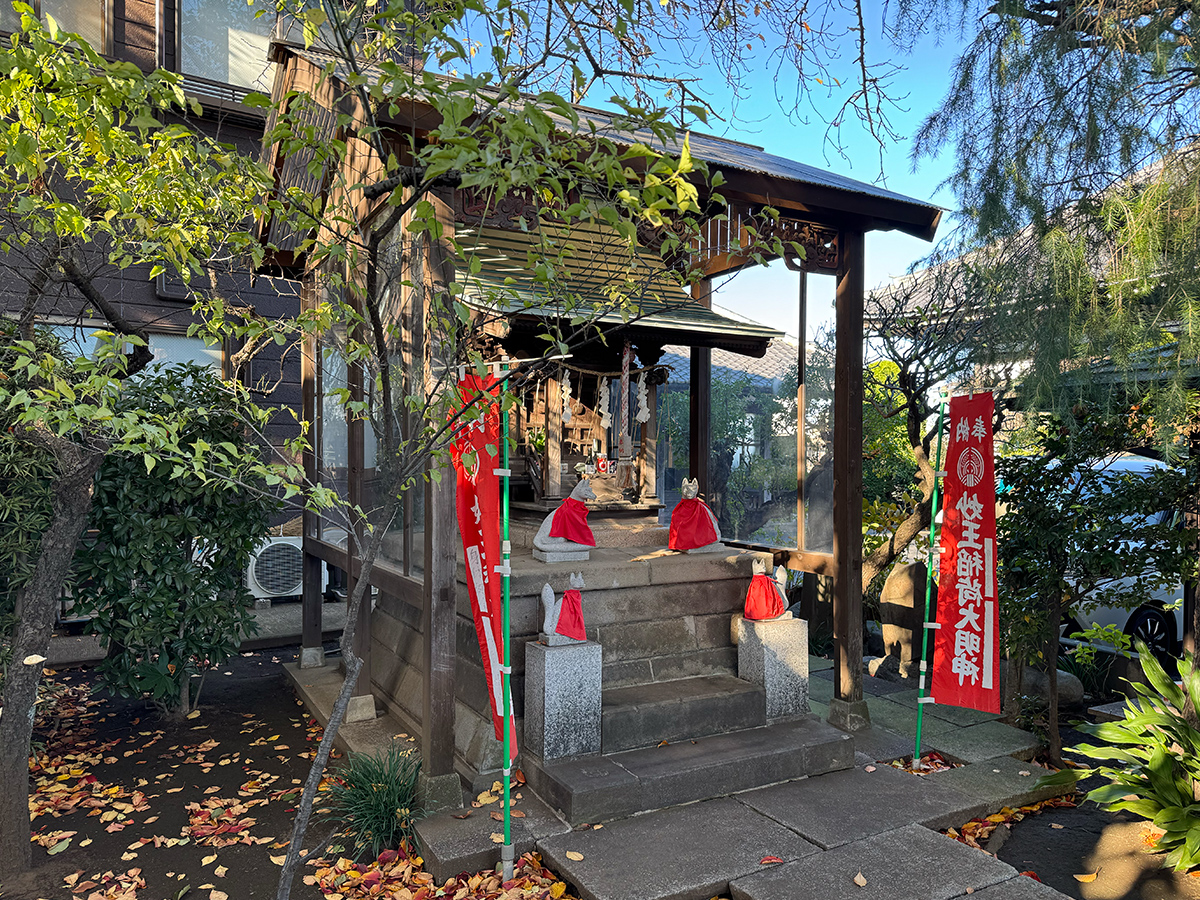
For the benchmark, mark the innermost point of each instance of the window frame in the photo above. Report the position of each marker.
(106, 23)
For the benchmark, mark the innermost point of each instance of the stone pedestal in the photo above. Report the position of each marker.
(774, 653)
(557, 556)
(312, 657)
(562, 699)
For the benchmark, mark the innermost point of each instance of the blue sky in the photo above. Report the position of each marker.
(769, 294)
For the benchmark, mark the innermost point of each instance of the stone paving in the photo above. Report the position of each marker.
(826, 829)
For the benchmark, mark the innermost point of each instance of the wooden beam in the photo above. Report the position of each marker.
(847, 473)
(700, 407)
(649, 446)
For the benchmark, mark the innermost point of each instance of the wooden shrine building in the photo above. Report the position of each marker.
(663, 620)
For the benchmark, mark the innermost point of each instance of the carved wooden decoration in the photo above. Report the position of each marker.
(472, 208)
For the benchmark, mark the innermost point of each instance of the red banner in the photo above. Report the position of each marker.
(473, 453)
(966, 651)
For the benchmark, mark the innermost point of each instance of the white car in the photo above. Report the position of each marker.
(1160, 621)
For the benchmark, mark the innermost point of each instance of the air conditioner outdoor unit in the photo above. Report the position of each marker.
(276, 569)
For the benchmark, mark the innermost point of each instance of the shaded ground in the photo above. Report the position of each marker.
(1091, 840)
(115, 773)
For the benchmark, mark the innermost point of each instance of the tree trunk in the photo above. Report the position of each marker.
(1052, 732)
(72, 500)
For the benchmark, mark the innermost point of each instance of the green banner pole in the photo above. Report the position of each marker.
(934, 538)
(506, 851)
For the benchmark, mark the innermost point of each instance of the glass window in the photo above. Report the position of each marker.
(86, 19)
(179, 348)
(221, 40)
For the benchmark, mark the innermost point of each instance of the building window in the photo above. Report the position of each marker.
(179, 348)
(221, 40)
(87, 19)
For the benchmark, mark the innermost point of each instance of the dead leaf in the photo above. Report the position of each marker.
(34, 659)
(518, 814)
(218, 895)
(860, 880)
(499, 817)
(868, 768)
(497, 837)
(465, 815)
(1055, 825)
(213, 789)
(597, 827)
(571, 854)
(278, 860)
(208, 860)
(1086, 879)
(769, 860)
(194, 714)
(220, 871)
(1025, 772)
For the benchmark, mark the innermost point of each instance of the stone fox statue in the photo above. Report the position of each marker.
(767, 597)
(565, 531)
(693, 524)
(564, 615)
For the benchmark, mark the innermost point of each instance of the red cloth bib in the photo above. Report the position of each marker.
(762, 599)
(570, 616)
(691, 526)
(570, 522)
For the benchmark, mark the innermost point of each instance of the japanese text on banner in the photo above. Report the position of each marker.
(966, 653)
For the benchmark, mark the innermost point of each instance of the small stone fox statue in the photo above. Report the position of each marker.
(767, 596)
(565, 531)
(693, 525)
(563, 622)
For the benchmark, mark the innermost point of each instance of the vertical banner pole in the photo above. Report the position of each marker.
(934, 537)
(506, 853)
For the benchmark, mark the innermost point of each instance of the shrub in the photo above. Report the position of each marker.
(374, 795)
(1156, 752)
(162, 569)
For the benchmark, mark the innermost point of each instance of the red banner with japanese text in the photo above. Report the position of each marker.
(474, 454)
(966, 650)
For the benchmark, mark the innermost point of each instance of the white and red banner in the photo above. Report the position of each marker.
(474, 454)
(966, 651)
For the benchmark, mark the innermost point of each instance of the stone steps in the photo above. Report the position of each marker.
(643, 715)
(615, 785)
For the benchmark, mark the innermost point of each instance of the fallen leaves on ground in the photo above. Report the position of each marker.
(107, 886)
(1088, 878)
(769, 860)
(395, 874)
(930, 762)
(860, 880)
(221, 823)
(976, 832)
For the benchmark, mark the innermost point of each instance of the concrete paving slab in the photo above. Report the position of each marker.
(450, 846)
(819, 664)
(998, 782)
(848, 806)
(909, 863)
(956, 715)
(820, 690)
(881, 745)
(687, 853)
(75, 650)
(881, 687)
(1022, 887)
(1109, 712)
(986, 741)
(903, 719)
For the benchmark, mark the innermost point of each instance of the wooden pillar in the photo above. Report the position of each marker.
(312, 653)
(552, 455)
(441, 576)
(848, 709)
(700, 407)
(441, 550)
(354, 494)
(649, 449)
(801, 362)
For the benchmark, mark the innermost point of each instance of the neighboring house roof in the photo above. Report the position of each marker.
(765, 373)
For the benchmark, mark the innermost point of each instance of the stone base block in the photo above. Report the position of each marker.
(774, 654)
(262, 602)
(312, 657)
(849, 716)
(439, 792)
(361, 709)
(557, 640)
(562, 699)
(557, 556)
